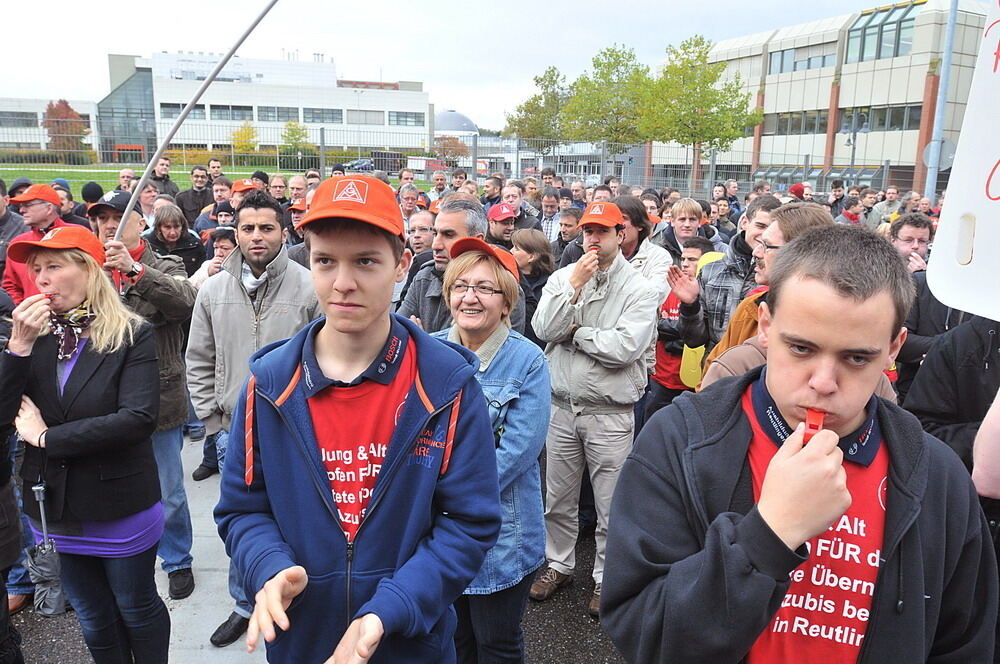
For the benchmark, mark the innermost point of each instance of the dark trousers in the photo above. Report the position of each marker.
(489, 626)
(10, 639)
(658, 397)
(123, 619)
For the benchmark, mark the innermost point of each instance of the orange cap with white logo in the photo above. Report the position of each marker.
(359, 197)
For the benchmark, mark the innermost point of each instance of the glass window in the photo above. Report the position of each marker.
(809, 124)
(782, 128)
(197, 113)
(322, 115)
(770, 124)
(878, 119)
(887, 48)
(801, 65)
(406, 119)
(905, 37)
(18, 119)
(830, 60)
(788, 59)
(913, 114)
(242, 112)
(816, 62)
(267, 113)
(822, 120)
(365, 117)
(870, 47)
(775, 67)
(896, 118)
(853, 46)
(220, 112)
(170, 111)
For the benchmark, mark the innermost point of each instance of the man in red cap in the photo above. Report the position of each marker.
(40, 206)
(599, 317)
(501, 219)
(366, 489)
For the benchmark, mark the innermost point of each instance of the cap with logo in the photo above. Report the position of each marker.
(358, 197)
(71, 236)
(114, 199)
(435, 207)
(246, 184)
(298, 206)
(602, 213)
(501, 211)
(38, 192)
(504, 257)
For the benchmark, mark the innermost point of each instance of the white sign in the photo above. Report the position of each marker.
(963, 272)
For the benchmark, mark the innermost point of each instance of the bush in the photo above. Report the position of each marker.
(47, 157)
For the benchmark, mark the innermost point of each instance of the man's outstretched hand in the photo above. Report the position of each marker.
(271, 603)
(359, 641)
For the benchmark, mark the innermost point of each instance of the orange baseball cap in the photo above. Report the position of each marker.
(653, 219)
(299, 206)
(501, 211)
(602, 213)
(359, 197)
(505, 258)
(246, 184)
(72, 236)
(38, 192)
(435, 207)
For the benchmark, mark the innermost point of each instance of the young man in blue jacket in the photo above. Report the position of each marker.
(366, 494)
(734, 537)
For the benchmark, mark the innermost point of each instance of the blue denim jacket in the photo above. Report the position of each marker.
(514, 375)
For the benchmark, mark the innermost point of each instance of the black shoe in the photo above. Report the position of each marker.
(181, 583)
(203, 472)
(230, 631)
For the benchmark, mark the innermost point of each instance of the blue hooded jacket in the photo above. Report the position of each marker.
(429, 523)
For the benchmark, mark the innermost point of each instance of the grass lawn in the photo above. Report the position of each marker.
(104, 175)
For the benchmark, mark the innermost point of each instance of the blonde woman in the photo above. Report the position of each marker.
(79, 381)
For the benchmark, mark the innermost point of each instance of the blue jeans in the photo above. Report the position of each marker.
(175, 546)
(243, 606)
(18, 580)
(489, 626)
(122, 616)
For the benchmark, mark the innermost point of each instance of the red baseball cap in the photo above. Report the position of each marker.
(435, 207)
(38, 192)
(505, 258)
(72, 236)
(246, 184)
(501, 211)
(359, 197)
(299, 206)
(602, 213)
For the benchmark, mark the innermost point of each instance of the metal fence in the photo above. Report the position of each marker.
(274, 147)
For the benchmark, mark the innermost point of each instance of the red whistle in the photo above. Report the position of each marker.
(48, 295)
(594, 249)
(814, 423)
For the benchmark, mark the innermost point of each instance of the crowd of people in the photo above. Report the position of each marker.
(419, 401)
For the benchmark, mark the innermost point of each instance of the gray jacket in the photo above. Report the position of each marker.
(11, 225)
(425, 301)
(600, 367)
(228, 327)
(164, 296)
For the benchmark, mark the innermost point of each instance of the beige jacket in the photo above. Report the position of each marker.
(227, 327)
(600, 366)
(748, 355)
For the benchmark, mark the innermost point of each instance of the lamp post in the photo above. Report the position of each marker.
(854, 128)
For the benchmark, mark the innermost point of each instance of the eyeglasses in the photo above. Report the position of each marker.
(25, 206)
(461, 288)
(765, 246)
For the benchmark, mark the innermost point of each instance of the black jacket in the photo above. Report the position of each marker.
(957, 383)
(6, 308)
(192, 202)
(694, 574)
(165, 185)
(11, 225)
(98, 458)
(928, 318)
(188, 248)
(531, 286)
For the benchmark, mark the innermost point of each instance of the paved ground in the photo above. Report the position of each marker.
(556, 632)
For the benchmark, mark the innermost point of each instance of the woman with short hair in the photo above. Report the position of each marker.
(481, 286)
(80, 382)
(533, 254)
(170, 236)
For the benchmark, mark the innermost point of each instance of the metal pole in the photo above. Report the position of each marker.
(937, 137)
(475, 159)
(885, 174)
(604, 160)
(516, 171)
(854, 145)
(322, 151)
(711, 173)
(183, 116)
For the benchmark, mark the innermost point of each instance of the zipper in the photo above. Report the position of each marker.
(328, 501)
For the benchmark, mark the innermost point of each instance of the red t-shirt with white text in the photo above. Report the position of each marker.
(824, 614)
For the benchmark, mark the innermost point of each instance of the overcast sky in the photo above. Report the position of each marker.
(478, 60)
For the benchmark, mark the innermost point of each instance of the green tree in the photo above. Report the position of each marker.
(295, 139)
(690, 103)
(604, 103)
(244, 141)
(539, 115)
(66, 130)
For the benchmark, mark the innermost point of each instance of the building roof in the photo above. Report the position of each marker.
(452, 121)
